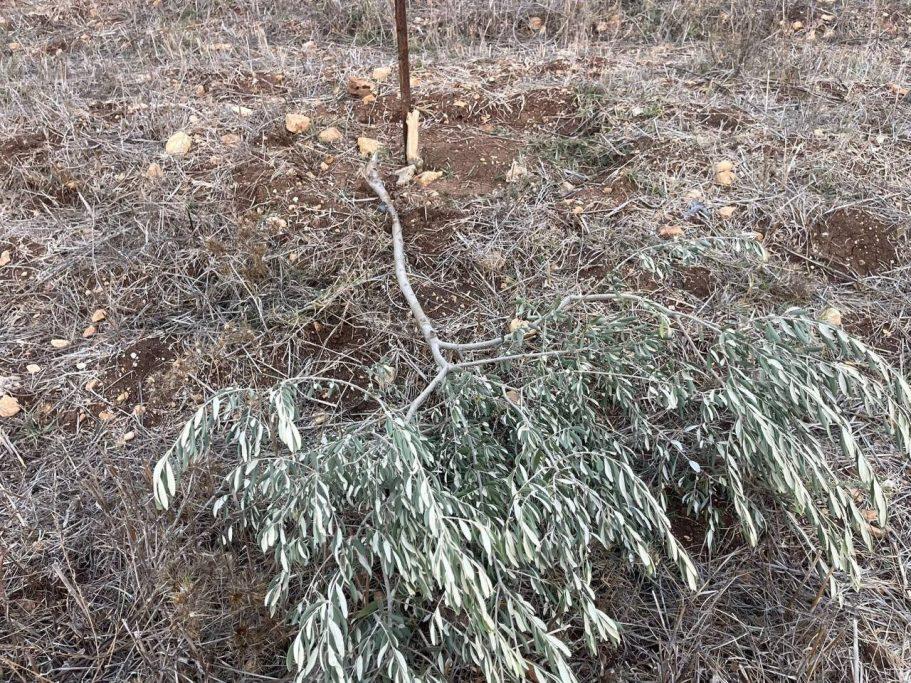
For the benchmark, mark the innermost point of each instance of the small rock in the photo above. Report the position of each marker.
(330, 135)
(5, 257)
(9, 406)
(60, 343)
(129, 436)
(230, 139)
(368, 146)
(178, 144)
(89, 331)
(670, 232)
(535, 23)
(405, 175)
(381, 73)
(724, 173)
(33, 369)
(727, 211)
(359, 87)
(241, 110)
(92, 384)
(424, 179)
(831, 315)
(297, 123)
(517, 324)
(154, 172)
(99, 315)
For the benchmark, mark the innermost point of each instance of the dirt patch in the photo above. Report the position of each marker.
(348, 348)
(58, 44)
(474, 163)
(440, 301)
(429, 229)
(258, 184)
(854, 240)
(25, 144)
(288, 192)
(108, 110)
(621, 188)
(554, 108)
(459, 296)
(887, 336)
(799, 11)
(587, 263)
(132, 369)
(729, 120)
(249, 84)
(698, 281)
(557, 109)
(450, 107)
(23, 252)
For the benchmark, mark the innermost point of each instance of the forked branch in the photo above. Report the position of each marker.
(429, 332)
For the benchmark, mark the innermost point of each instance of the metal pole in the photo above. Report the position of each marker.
(401, 35)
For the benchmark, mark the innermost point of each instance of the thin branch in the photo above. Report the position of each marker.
(429, 331)
(432, 386)
(401, 266)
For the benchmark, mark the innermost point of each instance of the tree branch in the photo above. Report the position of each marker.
(401, 266)
(428, 330)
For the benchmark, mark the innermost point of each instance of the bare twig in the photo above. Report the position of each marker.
(401, 266)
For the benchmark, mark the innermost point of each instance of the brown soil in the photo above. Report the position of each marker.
(352, 348)
(133, 368)
(698, 281)
(590, 264)
(233, 85)
(24, 144)
(724, 119)
(854, 240)
(288, 193)
(554, 108)
(473, 163)
(621, 188)
(882, 335)
(23, 251)
(457, 297)
(108, 110)
(429, 228)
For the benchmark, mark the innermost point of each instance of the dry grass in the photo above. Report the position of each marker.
(245, 264)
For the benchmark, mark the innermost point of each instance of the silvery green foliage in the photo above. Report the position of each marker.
(466, 537)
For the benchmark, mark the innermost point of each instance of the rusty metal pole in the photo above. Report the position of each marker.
(401, 35)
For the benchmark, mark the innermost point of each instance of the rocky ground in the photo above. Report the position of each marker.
(167, 229)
